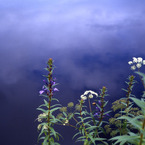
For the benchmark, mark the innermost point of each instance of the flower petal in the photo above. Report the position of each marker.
(41, 92)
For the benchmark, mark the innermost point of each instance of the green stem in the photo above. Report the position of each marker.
(86, 134)
(89, 105)
(141, 136)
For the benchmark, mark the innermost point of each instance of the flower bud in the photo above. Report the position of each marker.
(90, 96)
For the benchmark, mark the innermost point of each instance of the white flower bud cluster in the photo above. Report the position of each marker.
(91, 93)
(66, 121)
(139, 62)
(45, 127)
(41, 116)
(40, 125)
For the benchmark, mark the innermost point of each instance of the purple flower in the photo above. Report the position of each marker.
(99, 102)
(98, 108)
(95, 114)
(45, 82)
(53, 83)
(55, 89)
(41, 92)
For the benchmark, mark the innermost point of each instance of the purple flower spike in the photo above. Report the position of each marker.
(55, 89)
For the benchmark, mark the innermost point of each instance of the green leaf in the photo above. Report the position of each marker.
(55, 84)
(141, 104)
(91, 138)
(91, 128)
(82, 138)
(142, 75)
(55, 105)
(45, 141)
(126, 138)
(76, 135)
(85, 118)
(133, 121)
(54, 109)
(53, 131)
(55, 99)
(42, 110)
(64, 114)
(44, 95)
(46, 103)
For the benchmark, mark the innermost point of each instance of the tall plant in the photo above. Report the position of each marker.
(47, 117)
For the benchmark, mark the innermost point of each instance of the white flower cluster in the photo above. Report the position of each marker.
(84, 96)
(139, 62)
(41, 116)
(66, 121)
(44, 127)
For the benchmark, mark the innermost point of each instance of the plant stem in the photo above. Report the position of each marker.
(141, 136)
(50, 92)
(75, 119)
(86, 134)
(89, 105)
(102, 104)
(131, 78)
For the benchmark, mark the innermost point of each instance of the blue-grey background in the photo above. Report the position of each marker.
(91, 42)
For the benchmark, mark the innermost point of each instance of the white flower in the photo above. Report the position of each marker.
(39, 126)
(133, 67)
(138, 65)
(86, 92)
(83, 97)
(143, 62)
(66, 121)
(92, 92)
(45, 127)
(39, 120)
(44, 115)
(135, 60)
(139, 59)
(90, 96)
(41, 116)
(130, 62)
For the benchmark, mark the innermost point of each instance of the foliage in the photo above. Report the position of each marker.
(90, 124)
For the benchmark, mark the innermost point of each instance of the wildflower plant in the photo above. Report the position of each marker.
(91, 126)
(90, 123)
(137, 121)
(47, 118)
(120, 127)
